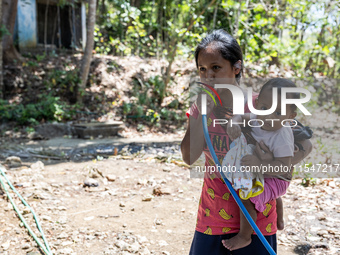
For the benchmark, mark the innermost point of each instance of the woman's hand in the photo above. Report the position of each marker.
(210, 103)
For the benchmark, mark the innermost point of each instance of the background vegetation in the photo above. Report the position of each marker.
(296, 37)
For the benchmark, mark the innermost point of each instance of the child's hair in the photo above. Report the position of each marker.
(281, 83)
(227, 46)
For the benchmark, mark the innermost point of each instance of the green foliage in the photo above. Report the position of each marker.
(63, 82)
(3, 31)
(299, 35)
(48, 108)
(146, 105)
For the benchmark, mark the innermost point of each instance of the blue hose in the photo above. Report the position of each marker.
(232, 191)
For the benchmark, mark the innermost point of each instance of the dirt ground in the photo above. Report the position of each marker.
(143, 206)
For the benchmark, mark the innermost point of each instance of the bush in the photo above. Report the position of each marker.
(50, 109)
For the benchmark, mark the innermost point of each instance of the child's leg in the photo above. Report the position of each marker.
(243, 238)
(279, 211)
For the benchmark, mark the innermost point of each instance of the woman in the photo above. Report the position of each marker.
(219, 60)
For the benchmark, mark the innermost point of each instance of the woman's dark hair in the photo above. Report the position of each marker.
(227, 46)
(281, 83)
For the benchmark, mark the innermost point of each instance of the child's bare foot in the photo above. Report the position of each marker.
(236, 242)
(280, 224)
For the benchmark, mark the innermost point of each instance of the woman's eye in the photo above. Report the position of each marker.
(216, 67)
(263, 108)
(202, 69)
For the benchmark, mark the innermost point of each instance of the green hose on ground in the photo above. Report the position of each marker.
(46, 249)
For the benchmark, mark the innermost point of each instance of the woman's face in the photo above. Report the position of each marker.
(214, 69)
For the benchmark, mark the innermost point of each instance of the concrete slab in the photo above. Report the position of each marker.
(98, 129)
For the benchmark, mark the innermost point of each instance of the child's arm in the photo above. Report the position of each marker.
(234, 130)
(276, 166)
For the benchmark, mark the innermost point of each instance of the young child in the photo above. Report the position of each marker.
(280, 141)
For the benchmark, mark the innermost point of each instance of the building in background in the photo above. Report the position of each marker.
(49, 24)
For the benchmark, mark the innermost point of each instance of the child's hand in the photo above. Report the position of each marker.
(233, 131)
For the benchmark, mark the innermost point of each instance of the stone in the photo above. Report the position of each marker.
(38, 166)
(35, 136)
(166, 169)
(62, 236)
(147, 198)
(6, 245)
(145, 251)
(111, 177)
(158, 191)
(162, 243)
(321, 245)
(302, 248)
(322, 232)
(133, 248)
(142, 240)
(90, 182)
(121, 245)
(13, 161)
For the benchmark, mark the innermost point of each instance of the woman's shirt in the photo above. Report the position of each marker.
(218, 212)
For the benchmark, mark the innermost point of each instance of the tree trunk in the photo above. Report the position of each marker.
(9, 13)
(85, 65)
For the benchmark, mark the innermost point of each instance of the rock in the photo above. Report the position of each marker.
(133, 248)
(166, 169)
(111, 177)
(142, 240)
(302, 248)
(89, 218)
(147, 198)
(13, 161)
(62, 236)
(6, 245)
(158, 191)
(25, 246)
(121, 204)
(45, 217)
(313, 238)
(122, 245)
(162, 243)
(322, 232)
(66, 243)
(65, 251)
(145, 251)
(35, 136)
(38, 166)
(321, 245)
(90, 182)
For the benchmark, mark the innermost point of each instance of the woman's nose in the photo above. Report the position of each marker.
(210, 74)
